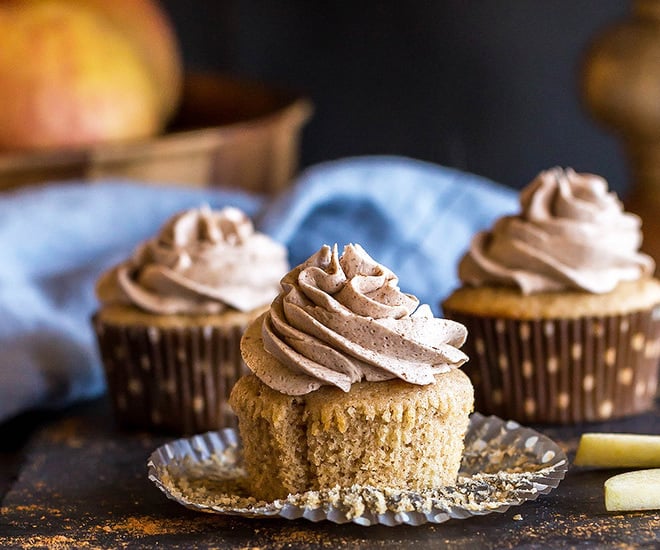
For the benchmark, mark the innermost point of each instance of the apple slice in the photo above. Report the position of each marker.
(637, 490)
(618, 450)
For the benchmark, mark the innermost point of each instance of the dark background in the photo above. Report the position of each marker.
(488, 86)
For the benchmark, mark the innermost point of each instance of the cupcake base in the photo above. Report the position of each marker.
(170, 377)
(564, 371)
(384, 434)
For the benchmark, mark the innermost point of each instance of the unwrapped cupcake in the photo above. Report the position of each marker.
(354, 383)
(562, 308)
(172, 315)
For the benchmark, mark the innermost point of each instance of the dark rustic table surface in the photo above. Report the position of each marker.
(74, 480)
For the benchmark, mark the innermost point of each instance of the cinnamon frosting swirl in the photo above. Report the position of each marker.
(571, 233)
(339, 320)
(202, 261)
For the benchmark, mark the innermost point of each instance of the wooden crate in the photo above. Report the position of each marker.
(228, 132)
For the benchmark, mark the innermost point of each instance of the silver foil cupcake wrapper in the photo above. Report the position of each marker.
(504, 465)
(565, 370)
(175, 380)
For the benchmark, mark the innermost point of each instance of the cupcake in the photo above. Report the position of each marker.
(171, 318)
(561, 307)
(352, 383)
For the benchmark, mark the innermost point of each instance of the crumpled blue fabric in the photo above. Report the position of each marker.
(414, 217)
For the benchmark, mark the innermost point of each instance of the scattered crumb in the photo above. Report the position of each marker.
(517, 517)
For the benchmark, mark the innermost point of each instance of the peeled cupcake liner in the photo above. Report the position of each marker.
(504, 465)
(174, 380)
(563, 371)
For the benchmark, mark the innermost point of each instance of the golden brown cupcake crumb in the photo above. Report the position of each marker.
(384, 434)
(509, 303)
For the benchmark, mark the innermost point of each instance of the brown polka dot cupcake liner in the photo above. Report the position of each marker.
(563, 371)
(174, 380)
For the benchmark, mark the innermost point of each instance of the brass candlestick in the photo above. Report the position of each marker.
(621, 89)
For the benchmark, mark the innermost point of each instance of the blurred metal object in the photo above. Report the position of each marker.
(621, 89)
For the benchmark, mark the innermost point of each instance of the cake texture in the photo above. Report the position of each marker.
(352, 384)
(171, 318)
(562, 308)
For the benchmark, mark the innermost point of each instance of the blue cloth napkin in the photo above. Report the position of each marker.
(55, 240)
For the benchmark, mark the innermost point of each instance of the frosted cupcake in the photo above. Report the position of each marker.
(354, 383)
(561, 307)
(172, 315)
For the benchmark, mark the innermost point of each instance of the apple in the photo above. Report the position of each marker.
(75, 73)
(618, 450)
(148, 26)
(631, 491)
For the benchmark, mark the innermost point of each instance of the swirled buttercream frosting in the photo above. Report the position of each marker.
(571, 234)
(340, 320)
(202, 261)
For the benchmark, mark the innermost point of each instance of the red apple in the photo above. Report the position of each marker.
(149, 28)
(73, 73)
